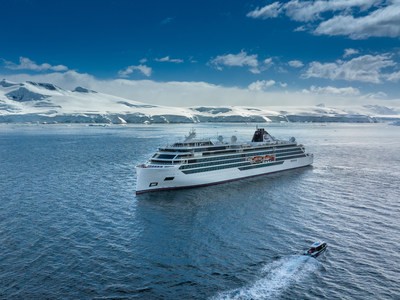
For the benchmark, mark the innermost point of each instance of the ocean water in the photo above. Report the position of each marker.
(72, 227)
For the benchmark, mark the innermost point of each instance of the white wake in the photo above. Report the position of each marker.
(275, 278)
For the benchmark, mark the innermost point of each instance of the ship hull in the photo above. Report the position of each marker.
(159, 179)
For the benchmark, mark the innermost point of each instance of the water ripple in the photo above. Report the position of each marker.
(72, 227)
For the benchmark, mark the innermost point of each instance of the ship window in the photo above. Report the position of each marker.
(165, 156)
(169, 178)
(184, 155)
(153, 184)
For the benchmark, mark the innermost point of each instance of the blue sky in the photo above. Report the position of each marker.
(264, 52)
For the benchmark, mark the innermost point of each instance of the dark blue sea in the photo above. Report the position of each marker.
(71, 226)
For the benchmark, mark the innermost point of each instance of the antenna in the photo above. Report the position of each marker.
(191, 136)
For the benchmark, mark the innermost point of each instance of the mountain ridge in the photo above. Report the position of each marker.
(36, 102)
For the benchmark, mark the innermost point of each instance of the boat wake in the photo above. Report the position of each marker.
(275, 278)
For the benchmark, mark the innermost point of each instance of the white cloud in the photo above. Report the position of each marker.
(260, 85)
(365, 68)
(301, 28)
(143, 60)
(268, 11)
(383, 22)
(295, 63)
(377, 95)
(264, 65)
(393, 76)
(357, 19)
(330, 90)
(27, 64)
(283, 84)
(145, 70)
(255, 70)
(305, 11)
(349, 52)
(168, 59)
(237, 60)
(268, 61)
(175, 93)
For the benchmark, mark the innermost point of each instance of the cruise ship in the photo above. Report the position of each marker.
(199, 162)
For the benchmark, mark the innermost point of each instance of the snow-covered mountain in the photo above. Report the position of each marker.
(47, 103)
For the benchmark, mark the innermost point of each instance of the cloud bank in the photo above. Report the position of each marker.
(366, 68)
(269, 11)
(330, 90)
(175, 93)
(384, 22)
(145, 70)
(27, 64)
(356, 19)
(237, 60)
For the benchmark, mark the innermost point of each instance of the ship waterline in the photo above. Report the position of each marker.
(196, 163)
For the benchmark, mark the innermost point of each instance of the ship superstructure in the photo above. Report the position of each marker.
(195, 162)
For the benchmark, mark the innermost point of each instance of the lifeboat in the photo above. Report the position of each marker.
(257, 159)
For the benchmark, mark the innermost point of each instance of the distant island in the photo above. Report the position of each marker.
(33, 102)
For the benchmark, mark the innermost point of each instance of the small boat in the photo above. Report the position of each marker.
(316, 249)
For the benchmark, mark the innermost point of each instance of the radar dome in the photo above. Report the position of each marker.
(292, 139)
(220, 138)
(233, 139)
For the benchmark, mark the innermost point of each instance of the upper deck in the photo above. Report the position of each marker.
(193, 153)
(190, 145)
(192, 150)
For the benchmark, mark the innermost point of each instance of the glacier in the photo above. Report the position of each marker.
(34, 102)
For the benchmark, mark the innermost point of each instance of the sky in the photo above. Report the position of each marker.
(185, 53)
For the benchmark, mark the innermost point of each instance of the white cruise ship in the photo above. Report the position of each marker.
(196, 163)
